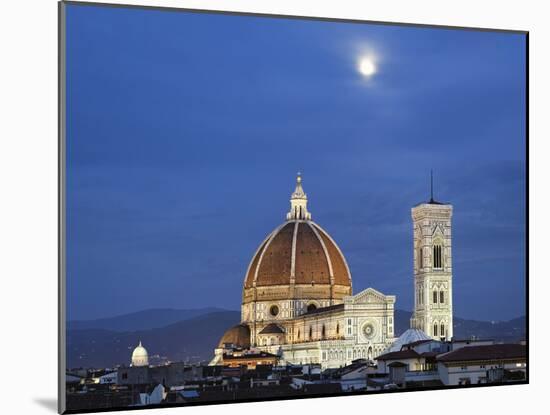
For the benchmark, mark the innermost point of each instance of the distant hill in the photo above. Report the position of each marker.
(140, 320)
(193, 339)
(503, 331)
(195, 336)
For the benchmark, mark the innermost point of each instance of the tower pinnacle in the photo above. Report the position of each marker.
(298, 202)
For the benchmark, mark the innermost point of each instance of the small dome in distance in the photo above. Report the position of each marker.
(140, 356)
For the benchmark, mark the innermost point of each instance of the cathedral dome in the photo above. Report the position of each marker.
(298, 253)
(238, 335)
(140, 356)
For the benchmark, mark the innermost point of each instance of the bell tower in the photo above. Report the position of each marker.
(433, 285)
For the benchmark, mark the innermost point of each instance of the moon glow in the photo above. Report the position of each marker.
(367, 67)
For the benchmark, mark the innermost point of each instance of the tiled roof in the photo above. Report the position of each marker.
(402, 354)
(314, 254)
(238, 335)
(489, 352)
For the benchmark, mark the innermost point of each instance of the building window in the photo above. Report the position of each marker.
(298, 334)
(437, 262)
(311, 307)
(310, 333)
(337, 328)
(435, 297)
(443, 330)
(420, 258)
(435, 329)
(323, 332)
(441, 297)
(274, 310)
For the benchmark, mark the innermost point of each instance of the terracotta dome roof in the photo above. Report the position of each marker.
(298, 251)
(238, 335)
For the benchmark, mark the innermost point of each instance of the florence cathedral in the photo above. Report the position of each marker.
(298, 302)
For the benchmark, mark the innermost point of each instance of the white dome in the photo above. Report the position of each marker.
(409, 336)
(140, 356)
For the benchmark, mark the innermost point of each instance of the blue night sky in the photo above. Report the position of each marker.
(185, 132)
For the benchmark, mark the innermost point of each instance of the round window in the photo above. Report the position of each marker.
(274, 310)
(368, 330)
(311, 307)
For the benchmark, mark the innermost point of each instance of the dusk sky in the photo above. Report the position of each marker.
(185, 132)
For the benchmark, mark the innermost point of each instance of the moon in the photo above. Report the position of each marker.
(367, 67)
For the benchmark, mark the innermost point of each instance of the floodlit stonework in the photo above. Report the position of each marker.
(433, 282)
(297, 299)
(140, 357)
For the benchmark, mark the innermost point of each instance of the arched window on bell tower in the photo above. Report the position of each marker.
(437, 258)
